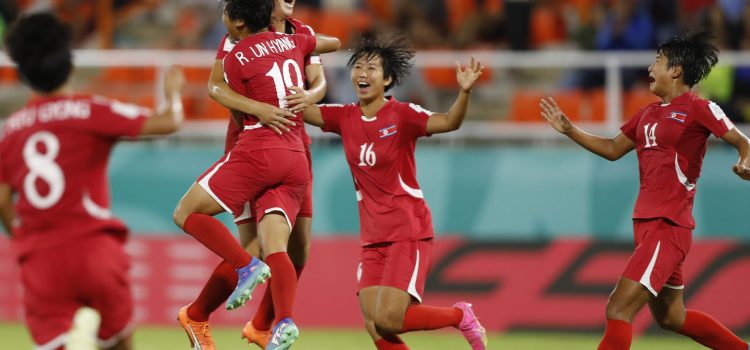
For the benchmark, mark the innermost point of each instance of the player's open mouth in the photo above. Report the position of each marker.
(289, 1)
(362, 86)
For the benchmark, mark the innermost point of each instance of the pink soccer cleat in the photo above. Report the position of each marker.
(470, 327)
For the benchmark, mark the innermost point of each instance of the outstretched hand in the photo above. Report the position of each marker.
(552, 113)
(468, 76)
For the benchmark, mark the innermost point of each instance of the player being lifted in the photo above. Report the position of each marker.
(379, 135)
(670, 139)
(54, 154)
(224, 279)
(264, 167)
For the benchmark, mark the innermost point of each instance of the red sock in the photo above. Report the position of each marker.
(708, 331)
(264, 315)
(216, 237)
(219, 287)
(283, 284)
(424, 318)
(393, 342)
(617, 336)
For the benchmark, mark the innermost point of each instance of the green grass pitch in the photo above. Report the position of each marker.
(15, 337)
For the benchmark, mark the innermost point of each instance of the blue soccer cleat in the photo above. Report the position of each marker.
(250, 276)
(284, 335)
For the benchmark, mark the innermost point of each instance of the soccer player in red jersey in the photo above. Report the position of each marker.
(264, 167)
(223, 280)
(379, 135)
(53, 155)
(670, 139)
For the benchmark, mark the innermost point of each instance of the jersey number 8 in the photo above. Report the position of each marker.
(42, 166)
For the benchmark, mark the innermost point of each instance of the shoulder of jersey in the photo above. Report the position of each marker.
(301, 27)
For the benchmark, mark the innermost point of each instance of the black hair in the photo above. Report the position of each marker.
(396, 53)
(694, 51)
(255, 13)
(40, 45)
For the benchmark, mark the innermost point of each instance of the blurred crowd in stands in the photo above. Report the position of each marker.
(439, 24)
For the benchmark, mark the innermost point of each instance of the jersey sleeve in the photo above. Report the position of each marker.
(225, 46)
(306, 43)
(306, 29)
(713, 118)
(629, 128)
(233, 73)
(332, 117)
(117, 119)
(414, 120)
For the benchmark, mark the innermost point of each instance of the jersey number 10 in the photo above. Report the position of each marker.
(282, 78)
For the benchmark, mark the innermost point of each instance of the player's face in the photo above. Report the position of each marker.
(661, 76)
(367, 78)
(231, 25)
(284, 7)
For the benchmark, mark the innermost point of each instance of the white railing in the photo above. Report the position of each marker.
(611, 62)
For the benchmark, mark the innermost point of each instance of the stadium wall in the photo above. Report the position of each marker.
(557, 285)
(480, 192)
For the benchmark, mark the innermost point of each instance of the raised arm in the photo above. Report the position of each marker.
(326, 44)
(273, 117)
(312, 116)
(446, 122)
(7, 212)
(742, 143)
(607, 148)
(168, 118)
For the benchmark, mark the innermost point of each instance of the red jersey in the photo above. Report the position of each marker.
(670, 142)
(54, 154)
(226, 46)
(380, 153)
(261, 67)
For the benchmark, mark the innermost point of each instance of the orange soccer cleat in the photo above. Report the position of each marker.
(255, 336)
(199, 333)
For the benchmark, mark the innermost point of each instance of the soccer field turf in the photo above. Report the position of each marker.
(167, 338)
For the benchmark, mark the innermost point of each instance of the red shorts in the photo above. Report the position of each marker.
(402, 265)
(306, 209)
(275, 179)
(660, 250)
(92, 272)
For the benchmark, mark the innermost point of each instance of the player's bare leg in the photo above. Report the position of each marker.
(624, 303)
(668, 310)
(300, 241)
(274, 232)
(390, 309)
(368, 299)
(194, 214)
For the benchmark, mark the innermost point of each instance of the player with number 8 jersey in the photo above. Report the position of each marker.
(54, 154)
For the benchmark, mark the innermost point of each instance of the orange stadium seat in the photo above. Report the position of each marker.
(341, 24)
(636, 99)
(597, 105)
(8, 75)
(524, 106)
(445, 77)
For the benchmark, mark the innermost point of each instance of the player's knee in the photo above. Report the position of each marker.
(668, 323)
(617, 311)
(179, 216)
(389, 322)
